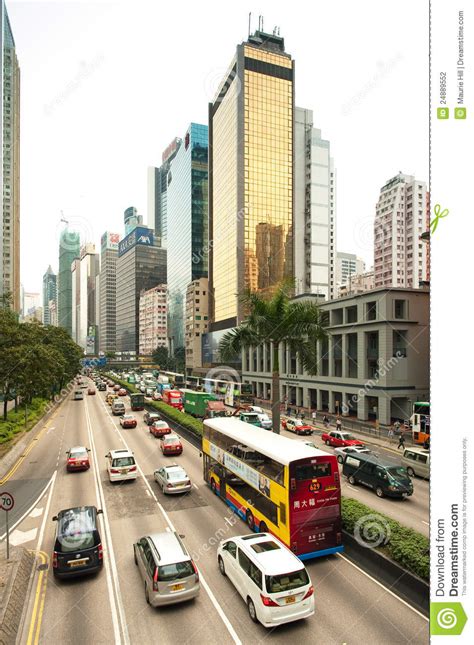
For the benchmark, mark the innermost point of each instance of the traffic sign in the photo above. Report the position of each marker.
(6, 501)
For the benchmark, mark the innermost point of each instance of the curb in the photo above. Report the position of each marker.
(13, 597)
(403, 583)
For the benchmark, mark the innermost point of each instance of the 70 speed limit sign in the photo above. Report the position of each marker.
(6, 502)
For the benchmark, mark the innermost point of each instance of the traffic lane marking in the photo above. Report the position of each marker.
(35, 624)
(21, 537)
(30, 509)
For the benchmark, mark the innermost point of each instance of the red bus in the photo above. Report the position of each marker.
(275, 484)
(173, 398)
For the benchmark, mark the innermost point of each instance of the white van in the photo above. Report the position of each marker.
(118, 407)
(272, 581)
(417, 462)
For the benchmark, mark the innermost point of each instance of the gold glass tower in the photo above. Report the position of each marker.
(251, 176)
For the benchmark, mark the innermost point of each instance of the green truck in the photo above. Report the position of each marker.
(195, 403)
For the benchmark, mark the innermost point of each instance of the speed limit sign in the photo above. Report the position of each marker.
(6, 502)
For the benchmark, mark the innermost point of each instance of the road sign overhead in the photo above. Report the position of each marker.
(6, 501)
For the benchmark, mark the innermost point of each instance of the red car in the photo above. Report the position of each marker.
(159, 428)
(116, 388)
(77, 459)
(339, 439)
(128, 421)
(91, 390)
(297, 426)
(122, 392)
(170, 444)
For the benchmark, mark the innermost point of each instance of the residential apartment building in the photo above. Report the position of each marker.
(10, 166)
(251, 162)
(357, 283)
(107, 292)
(347, 264)
(314, 209)
(153, 313)
(197, 321)
(400, 255)
(373, 365)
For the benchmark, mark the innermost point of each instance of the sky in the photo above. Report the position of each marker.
(105, 86)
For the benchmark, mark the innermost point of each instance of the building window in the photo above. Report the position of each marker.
(400, 309)
(371, 310)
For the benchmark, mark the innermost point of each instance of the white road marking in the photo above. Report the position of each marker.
(20, 537)
(147, 492)
(13, 527)
(49, 430)
(383, 587)
(212, 598)
(36, 512)
(113, 584)
(427, 523)
(46, 513)
(195, 486)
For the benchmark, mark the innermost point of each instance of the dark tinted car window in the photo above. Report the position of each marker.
(76, 530)
(176, 571)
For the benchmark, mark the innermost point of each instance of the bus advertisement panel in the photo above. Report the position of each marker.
(420, 423)
(284, 486)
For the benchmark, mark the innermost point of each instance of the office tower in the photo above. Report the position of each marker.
(141, 265)
(187, 214)
(75, 298)
(314, 209)
(400, 256)
(10, 166)
(131, 219)
(153, 329)
(250, 175)
(84, 271)
(108, 268)
(53, 312)
(197, 321)
(69, 248)
(157, 192)
(347, 264)
(49, 293)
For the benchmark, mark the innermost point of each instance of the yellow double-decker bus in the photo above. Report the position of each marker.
(275, 485)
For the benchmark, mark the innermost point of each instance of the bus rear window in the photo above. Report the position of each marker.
(311, 471)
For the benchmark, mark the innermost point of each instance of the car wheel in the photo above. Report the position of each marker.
(147, 595)
(221, 566)
(213, 486)
(263, 528)
(328, 443)
(379, 492)
(250, 521)
(352, 480)
(340, 459)
(410, 471)
(252, 612)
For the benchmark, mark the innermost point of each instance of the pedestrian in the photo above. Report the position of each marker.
(325, 421)
(288, 411)
(397, 427)
(390, 434)
(338, 424)
(401, 441)
(313, 416)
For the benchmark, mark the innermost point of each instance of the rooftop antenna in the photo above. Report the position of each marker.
(250, 20)
(62, 218)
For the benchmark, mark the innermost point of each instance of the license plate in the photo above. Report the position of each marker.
(124, 471)
(77, 563)
(289, 600)
(177, 587)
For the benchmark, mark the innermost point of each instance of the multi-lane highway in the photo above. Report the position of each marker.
(351, 607)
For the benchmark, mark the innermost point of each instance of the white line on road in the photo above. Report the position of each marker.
(195, 486)
(21, 537)
(13, 527)
(427, 523)
(113, 584)
(36, 512)
(212, 598)
(46, 512)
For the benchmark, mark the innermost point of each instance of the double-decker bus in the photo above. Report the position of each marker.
(178, 380)
(281, 486)
(420, 422)
(137, 401)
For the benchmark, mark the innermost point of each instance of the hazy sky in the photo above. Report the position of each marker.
(105, 86)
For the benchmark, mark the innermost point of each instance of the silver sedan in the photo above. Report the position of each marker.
(172, 479)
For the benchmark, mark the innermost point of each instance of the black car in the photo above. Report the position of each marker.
(102, 387)
(77, 545)
(150, 417)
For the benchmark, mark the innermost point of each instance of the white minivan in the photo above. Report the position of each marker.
(272, 581)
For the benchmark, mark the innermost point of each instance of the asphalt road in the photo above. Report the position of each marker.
(351, 607)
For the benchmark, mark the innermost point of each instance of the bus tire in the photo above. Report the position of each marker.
(250, 522)
(213, 487)
(221, 565)
(410, 471)
(252, 611)
(263, 528)
(352, 480)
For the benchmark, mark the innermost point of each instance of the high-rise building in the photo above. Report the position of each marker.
(153, 330)
(347, 264)
(400, 255)
(250, 175)
(75, 298)
(31, 302)
(49, 293)
(197, 321)
(10, 166)
(157, 186)
(108, 268)
(69, 248)
(187, 234)
(84, 271)
(53, 312)
(141, 265)
(314, 209)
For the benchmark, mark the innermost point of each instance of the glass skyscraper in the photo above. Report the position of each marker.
(69, 249)
(251, 176)
(49, 293)
(157, 192)
(187, 224)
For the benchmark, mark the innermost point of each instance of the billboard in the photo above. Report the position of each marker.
(109, 241)
(139, 235)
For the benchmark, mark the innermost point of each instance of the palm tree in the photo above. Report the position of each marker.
(276, 320)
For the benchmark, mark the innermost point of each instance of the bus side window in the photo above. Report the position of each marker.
(283, 512)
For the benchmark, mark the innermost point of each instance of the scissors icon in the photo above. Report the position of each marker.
(438, 215)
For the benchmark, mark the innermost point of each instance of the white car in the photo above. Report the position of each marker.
(121, 465)
(257, 409)
(342, 452)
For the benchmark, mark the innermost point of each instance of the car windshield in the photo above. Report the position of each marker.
(398, 472)
(176, 571)
(298, 422)
(171, 439)
(175, 475)
(160, 424)
(128, 417)
(120, 462)
(286, 581)
(346, 436)
(78, 454)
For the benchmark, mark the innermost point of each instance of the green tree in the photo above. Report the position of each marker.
(161, 357)
(9, 343)
(275, 320)
(180, 360)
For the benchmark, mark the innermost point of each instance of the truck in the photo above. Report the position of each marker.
(161, 387)
(196, 403)
(173, 398)
(215, 409)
